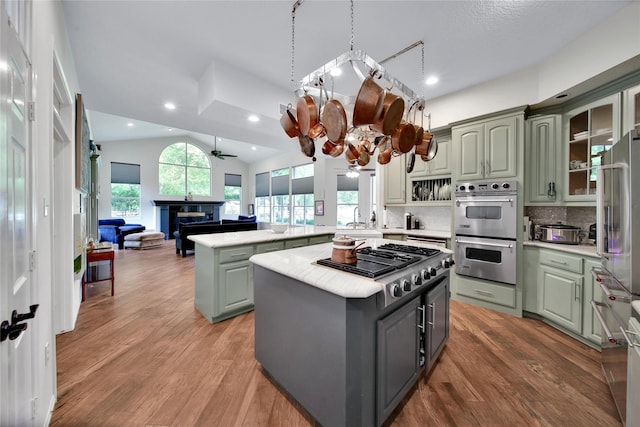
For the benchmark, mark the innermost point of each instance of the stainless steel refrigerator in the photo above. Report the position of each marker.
(618, 242)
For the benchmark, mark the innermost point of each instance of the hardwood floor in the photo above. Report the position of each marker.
(146, 357)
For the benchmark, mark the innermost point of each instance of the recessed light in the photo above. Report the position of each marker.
(336, 72)
(130, 124)
(170, 129)
(170, 106)
(254, 148)
(253, 118)
(432, 80)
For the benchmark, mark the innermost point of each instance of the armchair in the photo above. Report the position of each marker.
(115, 229)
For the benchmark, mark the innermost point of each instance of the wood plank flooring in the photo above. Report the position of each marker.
(146, 357)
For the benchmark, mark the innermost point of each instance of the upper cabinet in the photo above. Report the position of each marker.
(441, 163)
(395, 178)
(590, 131)
(544, 153)
(487, 149)
(631, 119)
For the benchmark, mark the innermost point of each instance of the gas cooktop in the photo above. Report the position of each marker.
(373, 263)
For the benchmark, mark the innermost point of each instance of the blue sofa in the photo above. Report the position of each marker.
(114, 229)
(183, 244)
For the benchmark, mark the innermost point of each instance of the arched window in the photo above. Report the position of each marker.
(183, 169)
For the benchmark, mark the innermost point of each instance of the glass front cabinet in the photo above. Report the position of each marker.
(590, 132)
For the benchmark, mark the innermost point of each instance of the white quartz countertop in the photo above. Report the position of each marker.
(236, 238)
(585, 250)
(300, 264)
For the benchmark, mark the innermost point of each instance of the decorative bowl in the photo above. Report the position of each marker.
(279, 228)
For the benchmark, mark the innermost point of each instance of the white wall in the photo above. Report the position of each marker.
(146, 153)
(48, 34)
(612, 42)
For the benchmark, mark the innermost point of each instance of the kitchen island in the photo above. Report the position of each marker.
(332, 340)
(223, 273)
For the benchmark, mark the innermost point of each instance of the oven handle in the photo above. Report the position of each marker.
(458, 201)
(607, 331)
(493, 245)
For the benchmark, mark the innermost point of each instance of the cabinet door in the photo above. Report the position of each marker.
(592, 291)
(437, 319)
(395, 174)
(470, 158)
(440, 165)
(235, 290)
(397, 361)
(500, 148)
(631, 116)
(561, 298)
(543, 159)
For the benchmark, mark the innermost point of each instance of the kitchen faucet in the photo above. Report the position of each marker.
(356, 209)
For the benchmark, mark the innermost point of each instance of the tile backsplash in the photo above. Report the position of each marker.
(435, 218)
(579, 216)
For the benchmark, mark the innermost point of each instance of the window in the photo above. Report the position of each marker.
(302, 191)
(184, 169)
(232, 195)
(125, 190)
(374, 195)
(280, 198)
(347, 200)
(263, 202)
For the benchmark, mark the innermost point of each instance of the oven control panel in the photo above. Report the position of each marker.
(486, 187)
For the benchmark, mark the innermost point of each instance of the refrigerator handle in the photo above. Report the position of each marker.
(602, 214)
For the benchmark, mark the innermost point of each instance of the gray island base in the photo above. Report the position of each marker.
(346, 361)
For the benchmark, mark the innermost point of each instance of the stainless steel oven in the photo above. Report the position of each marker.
(486, 209)
(490, 259)
(485, 225)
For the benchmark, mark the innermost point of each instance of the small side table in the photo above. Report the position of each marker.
(102, 252)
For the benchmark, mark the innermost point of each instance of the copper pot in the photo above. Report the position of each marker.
(419, 134)
(331, 149)
(431, 152)
(344, 250)
(334, 119)
(307, 114)
(392, 112)
(384, 156)
(289, 122)
(352, 153)
(423, 147)
(404, 138)
(369, 103)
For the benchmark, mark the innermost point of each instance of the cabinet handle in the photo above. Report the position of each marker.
(488, 169)
(487, 293)
(558, 262)
(605, 328)
(433, 315)
(482, 168)
(423, 316)
(576, 288)
(551, 192)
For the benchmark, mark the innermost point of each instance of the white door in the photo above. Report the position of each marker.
(16, 350)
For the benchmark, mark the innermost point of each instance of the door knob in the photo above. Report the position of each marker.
(14, 329)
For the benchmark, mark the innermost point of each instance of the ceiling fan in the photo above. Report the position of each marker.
(353, 171)
(219, 154)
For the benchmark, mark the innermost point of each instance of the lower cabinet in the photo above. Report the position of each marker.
(559, 287)
(437, 306)
(224, 276)
(561, 297)
(633, 374)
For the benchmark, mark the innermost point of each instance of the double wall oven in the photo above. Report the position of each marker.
(485, 218)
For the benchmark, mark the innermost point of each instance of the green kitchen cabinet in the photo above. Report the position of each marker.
(487, 149)
(544, 151)
(440, 165)
(395, 180)
(561, 297)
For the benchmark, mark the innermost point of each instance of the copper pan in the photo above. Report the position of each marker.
(423, 148)
(404, 138)
(331, 149)
(289, 122)
(334, 119)
(307, 113)
(385, 152)
(369, 103)
(431, 153)
(392, 112)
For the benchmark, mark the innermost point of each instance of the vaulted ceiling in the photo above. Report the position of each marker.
(221, 61)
